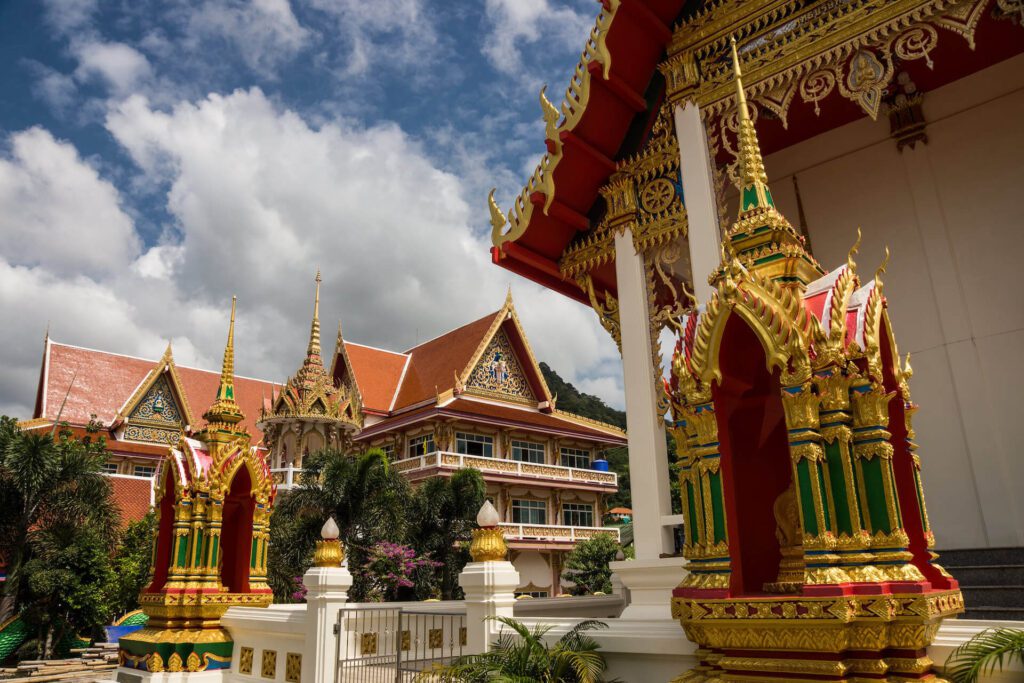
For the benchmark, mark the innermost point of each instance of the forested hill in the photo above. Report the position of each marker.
(584, 405)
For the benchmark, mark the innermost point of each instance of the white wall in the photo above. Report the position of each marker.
(532, 568)
(952, 212)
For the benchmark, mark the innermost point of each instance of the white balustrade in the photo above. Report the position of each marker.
(556, 532)
(455, 461)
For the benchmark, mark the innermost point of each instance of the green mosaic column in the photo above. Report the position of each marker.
(177, 574)
(853, 542)
(709, 565)
(813, 488)
(876, 481)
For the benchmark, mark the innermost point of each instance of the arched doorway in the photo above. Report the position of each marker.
(165, 535)
(754, 447)
(236, 533)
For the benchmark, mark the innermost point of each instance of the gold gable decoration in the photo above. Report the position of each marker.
(157, 417)
(499, 372)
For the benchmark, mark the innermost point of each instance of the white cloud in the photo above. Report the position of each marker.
(518, 25)
(118, 66)
(58, 213)
(68, 16)
(265, 32)
(393, 32)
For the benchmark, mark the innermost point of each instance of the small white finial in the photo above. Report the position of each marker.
(488, 517)
(330, 530)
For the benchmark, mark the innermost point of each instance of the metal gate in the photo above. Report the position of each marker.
(395, 645)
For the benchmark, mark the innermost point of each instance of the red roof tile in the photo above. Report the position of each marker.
(378, 373)
(104, 381)
(435, 363)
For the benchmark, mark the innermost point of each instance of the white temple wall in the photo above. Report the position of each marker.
(951, 212)
(533, 569)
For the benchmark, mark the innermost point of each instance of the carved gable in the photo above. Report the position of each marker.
(157, 418)
(499, 371)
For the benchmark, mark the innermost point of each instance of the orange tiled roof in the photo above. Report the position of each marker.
(377, 372)
(434, 364)
(104, 381)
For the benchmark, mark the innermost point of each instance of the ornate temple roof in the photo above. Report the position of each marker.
(312, 393)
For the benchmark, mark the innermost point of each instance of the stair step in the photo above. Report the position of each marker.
(981, 556)
(994, 613)
(988, 575)
(999, 596)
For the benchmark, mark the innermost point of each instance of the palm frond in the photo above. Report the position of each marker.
(984, 653)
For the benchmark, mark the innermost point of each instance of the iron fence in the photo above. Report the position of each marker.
(396, 645)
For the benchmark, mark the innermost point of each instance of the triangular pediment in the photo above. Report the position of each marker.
(504, 366)
(158, 411)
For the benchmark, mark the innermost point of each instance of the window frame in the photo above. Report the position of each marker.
(135, 471)
(486, 442)
(110, 468)
(566, 512)
(532, 506)
(567, 453)
(519, 443)
(412, 449)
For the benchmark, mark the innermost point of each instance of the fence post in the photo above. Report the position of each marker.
(489, 581)
(327, 584)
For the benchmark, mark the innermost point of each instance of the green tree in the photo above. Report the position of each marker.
(131, 564)
(586, 566)
(520, 654)
(367, 498)
(441, 518)
(52, 491)
(985, 653)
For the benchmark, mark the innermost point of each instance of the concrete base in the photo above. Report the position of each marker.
(490, 592)
(127, 675)
(649, 584)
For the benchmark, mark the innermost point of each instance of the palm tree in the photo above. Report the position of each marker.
(364, 494)
(441, 518)
(49, 484)
(985, 653)
(521, 655)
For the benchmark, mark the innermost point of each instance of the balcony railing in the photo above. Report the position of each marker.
(556, 532)
(287, 477)
(515, 468)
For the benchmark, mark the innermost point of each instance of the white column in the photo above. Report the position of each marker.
(326, 593)
(648, 458)
(490, 592)
(699, 197)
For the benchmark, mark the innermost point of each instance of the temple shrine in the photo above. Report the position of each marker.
(809, 548)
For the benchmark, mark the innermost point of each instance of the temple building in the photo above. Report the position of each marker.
(473, 397)
(899, 117)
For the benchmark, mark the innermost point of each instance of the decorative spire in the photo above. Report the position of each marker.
(224, 408)
(314, 330)
(754, 192)
(761, 240)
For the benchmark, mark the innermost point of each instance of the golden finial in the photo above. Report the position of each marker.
(167, 352)
(314, 330)
(853, 252)
(497, 217)
(908, 371)
(551, 116)
(508, 295)
(754, 191)
(488, 544)
(224, 408)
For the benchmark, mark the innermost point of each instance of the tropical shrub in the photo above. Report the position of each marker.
(985, 653)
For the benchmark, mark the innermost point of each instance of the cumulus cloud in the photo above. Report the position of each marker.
(264, 32)
(58, 213)
(118, 66)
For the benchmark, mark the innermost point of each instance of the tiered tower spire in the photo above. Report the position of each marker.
(225, 411)
(761, 238)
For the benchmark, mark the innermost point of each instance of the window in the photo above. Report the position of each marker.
(389, 450)
(144, 470)
(575, 457)
(421, 445)
(110, 468)
(532, 594)
(474, 444)
(527, 451)
(577, 514)
(529, 512)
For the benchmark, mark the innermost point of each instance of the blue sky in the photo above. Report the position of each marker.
(158, 156)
